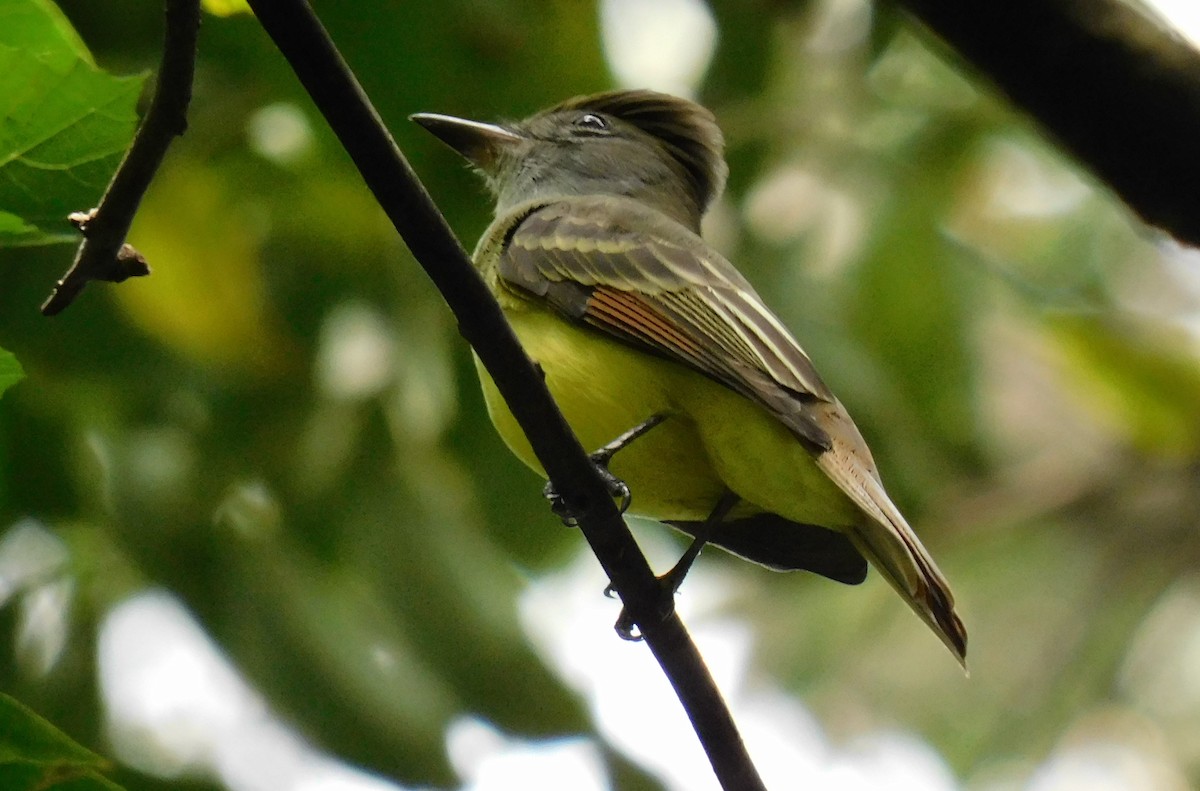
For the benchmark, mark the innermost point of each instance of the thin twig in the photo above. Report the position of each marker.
(301, 38)
(103, 254)
(1115, 85)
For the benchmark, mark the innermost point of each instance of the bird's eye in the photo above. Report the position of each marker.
(592, 123)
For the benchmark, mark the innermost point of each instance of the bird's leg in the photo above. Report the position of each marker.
(671, 581)
(601, 459)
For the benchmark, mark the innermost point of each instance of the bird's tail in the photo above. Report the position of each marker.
(885, 539)
(898, 555)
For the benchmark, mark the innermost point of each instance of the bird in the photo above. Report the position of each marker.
(658, 351)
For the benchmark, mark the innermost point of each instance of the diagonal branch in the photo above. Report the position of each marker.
(1115, 85)
(301, 38)
(103, 254)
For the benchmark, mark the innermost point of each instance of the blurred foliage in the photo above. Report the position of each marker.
(282, 428)
(10, 371)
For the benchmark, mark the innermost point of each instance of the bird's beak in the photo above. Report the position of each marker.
(480, 143)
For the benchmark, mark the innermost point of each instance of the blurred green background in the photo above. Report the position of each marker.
(279, 433)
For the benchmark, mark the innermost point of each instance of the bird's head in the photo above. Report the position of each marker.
(656, 148)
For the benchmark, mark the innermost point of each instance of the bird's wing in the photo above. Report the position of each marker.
(634, 274)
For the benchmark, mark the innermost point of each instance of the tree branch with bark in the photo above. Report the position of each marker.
(104, 254)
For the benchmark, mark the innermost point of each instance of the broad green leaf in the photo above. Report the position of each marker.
(40, 28)
(36, 755)
(10, 371)
(64, 127)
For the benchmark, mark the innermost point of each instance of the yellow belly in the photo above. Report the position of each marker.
(713, 438)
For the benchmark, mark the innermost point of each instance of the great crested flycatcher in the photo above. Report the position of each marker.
(596, 258)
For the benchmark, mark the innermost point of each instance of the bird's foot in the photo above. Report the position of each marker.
(617, 488)
(668, 584)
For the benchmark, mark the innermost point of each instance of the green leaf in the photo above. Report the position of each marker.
(31, 777)
(27, 738)
(39, 27)
(13, 226)
(65, 124)
(36, 755)
(10, 371)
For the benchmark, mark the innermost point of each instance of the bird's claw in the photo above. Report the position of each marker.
(627, 628)
(617, 488)
(622, 491)
(558, 505)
